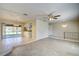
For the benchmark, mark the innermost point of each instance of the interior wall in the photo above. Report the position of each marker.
(50, 28)
(58, 30)
(41, 29)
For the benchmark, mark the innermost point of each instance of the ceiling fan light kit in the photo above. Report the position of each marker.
(51, 19)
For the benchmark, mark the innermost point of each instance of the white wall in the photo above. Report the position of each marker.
(50, 29)
(58, 30)
(41, 29)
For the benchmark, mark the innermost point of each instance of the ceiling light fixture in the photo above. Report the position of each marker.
(51, 19)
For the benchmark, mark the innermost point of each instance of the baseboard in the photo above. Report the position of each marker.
(65, 39)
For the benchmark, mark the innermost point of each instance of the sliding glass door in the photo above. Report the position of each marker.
(11, 31)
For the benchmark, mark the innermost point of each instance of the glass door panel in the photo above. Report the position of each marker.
(11, 31)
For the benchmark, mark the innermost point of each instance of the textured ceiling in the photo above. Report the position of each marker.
(16, 11)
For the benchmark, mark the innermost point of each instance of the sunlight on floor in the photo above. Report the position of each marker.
(8, 43)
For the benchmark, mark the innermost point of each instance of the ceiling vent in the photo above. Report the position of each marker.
(25, 14)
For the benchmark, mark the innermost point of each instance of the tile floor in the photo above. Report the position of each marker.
(7, 44)
(47, 47)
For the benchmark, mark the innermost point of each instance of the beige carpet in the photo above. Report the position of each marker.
(47, 47)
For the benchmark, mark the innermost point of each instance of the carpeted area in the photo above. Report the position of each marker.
(47, 47)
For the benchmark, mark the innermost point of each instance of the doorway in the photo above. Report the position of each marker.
(10, 31)
(11, 34)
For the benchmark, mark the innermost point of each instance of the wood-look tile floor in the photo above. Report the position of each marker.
(47, 47)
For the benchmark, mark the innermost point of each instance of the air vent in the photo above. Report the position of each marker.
(25, 14)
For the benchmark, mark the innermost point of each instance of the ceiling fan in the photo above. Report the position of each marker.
(51, 16)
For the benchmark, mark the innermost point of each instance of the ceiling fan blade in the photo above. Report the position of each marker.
(57, 16)
(50, 14)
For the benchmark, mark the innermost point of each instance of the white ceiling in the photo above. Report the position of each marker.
(15, 11)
